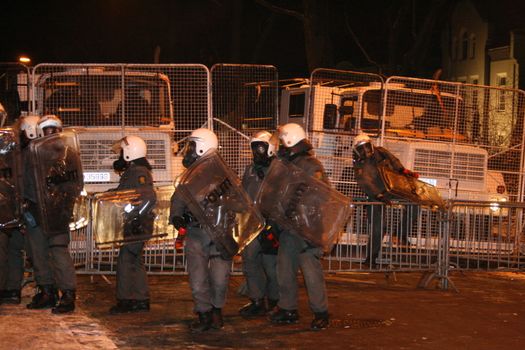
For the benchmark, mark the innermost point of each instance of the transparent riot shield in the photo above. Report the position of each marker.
(216, 198)
(58, 179)
(302, 204)
(127, 216)
(10, 162)
(411, 189)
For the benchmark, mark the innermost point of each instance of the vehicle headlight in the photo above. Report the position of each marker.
(495, 204)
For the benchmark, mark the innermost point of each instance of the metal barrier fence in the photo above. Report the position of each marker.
(470, 235)
(15, 87)
(465, 139)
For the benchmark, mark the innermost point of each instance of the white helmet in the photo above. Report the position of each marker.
(28, 125)
(205, 139)
(133, 147)
(360, 139)
(362, 146)
(291, 133)
(265, 136)
(48, 121)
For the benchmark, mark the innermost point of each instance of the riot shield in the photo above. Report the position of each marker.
(10, 162)
(411, 189)
(58, 179)
(127, 216)
(216, 198)
(302, 204)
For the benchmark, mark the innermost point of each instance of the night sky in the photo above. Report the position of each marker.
(201, 31)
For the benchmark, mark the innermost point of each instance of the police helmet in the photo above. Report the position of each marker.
(133, 147)
(49, 124)
(291, 134)
(28, 125)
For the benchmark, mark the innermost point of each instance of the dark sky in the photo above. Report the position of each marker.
(187, 31)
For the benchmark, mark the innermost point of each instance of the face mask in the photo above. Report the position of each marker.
(189, 154)
(260, 153)
(120, 164)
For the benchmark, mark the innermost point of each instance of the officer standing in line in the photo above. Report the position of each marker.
(259, 258)
(132, 282)
(208, 271)
(12, 241)
(53, 265)
(367, 158)
(294, 251)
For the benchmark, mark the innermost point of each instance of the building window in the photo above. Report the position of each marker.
(464, 46)
(472, 46)
(454, 48)
(502, 82)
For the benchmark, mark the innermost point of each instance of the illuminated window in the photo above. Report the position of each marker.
(502, 82)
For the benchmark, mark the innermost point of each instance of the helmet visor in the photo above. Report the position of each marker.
(364, 150)
(189, 153)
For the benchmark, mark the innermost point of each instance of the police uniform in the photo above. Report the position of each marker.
(132, 282)
(296, 253)
(368, 176)
(11, 265)
(52, 263)
(208, 271)
(259, 258)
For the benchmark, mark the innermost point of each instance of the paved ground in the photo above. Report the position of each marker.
(368, 312)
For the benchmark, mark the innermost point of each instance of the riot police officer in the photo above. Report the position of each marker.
(367, 158)
(12, 240)
(259, 258)
(208, 271)
(52, 263)
(132, 283)
(295, 252)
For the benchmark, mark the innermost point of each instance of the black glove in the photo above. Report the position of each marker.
(178, 222)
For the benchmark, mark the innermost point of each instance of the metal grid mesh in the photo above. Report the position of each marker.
(333, 122)
(15, 87)
(245, 100)
(104, 102)
(467, 139)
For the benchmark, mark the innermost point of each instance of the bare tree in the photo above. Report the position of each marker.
(318, 44)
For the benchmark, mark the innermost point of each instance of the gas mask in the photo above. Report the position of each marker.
(260, 153)
(120, 164)
(189, 154)
(364, 150)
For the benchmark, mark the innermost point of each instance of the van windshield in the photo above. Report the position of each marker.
(139, 99)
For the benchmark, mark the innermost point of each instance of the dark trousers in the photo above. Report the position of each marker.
(294, 254)
(377, 220)
(260, 272)
(52, 262)
(11, 260)
(209, 273)
(132, 280)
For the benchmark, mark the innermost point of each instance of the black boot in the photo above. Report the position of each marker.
(255, 308)
(45, 298)
(10, 296)
(203, 323)
(129, 305)
(216, 318)
(320, 321)
(271, 304)
(282, 316)
(66, 303)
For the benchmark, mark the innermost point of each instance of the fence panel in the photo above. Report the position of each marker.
(245, 100)
(487, 236)
(15, 91)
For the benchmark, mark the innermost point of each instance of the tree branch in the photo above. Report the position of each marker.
(281, 10)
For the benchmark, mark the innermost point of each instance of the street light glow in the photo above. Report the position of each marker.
(24, 59)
